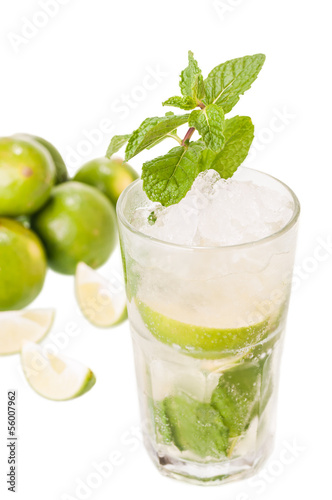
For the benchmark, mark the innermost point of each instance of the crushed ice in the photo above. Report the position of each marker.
(217, 212)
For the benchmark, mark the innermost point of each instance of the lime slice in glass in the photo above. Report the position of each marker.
(200, 341)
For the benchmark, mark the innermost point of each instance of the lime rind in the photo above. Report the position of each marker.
(89, 382)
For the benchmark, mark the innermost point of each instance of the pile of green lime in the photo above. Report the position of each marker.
(47, 219)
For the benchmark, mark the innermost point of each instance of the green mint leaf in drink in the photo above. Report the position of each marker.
(191, 79)
(264, 353)
(168, 178)
(229, 80)
(162, 426)
(116, 143)
(239, 134)
(152, 218)
(209, 123)
(187, 103)
(151, 131)
(235, 396)
(195, 426)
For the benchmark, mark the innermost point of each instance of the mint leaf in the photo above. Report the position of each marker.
(199, 89)
(116, 143)
(151, 131)
(196, 426)
(173, 134)
(168, 178)
(138, 135)
(209, 122)
(228, 81)
(235, 397)
(191, 80)
(162, 427)
(186, 103)
(239, 134)
(206, 159)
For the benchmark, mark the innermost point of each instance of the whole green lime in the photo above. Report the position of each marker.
(27, 174)
(111, 176)
(78, 224)
(22, 265)
(61, 169)
(24, 220)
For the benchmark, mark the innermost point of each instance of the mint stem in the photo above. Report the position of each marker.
(176, 137)
(188, 135)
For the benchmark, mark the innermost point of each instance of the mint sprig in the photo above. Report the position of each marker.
(224, 143)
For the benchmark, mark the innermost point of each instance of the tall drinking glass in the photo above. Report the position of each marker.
(207, 325)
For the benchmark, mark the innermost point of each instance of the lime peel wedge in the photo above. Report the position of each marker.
(102, 303)
(18, 326)
(55, 377)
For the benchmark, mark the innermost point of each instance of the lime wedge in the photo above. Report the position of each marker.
(17, 326)
(200, 341)
(102, 303)
(55, 377)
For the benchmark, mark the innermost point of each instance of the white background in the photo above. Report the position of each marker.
(70, 82)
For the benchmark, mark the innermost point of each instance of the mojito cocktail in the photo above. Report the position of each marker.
(208, 251)
(208, 284)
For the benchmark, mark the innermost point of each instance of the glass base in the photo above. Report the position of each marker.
(211, 474)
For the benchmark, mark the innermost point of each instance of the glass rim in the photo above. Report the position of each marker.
(292, 221)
